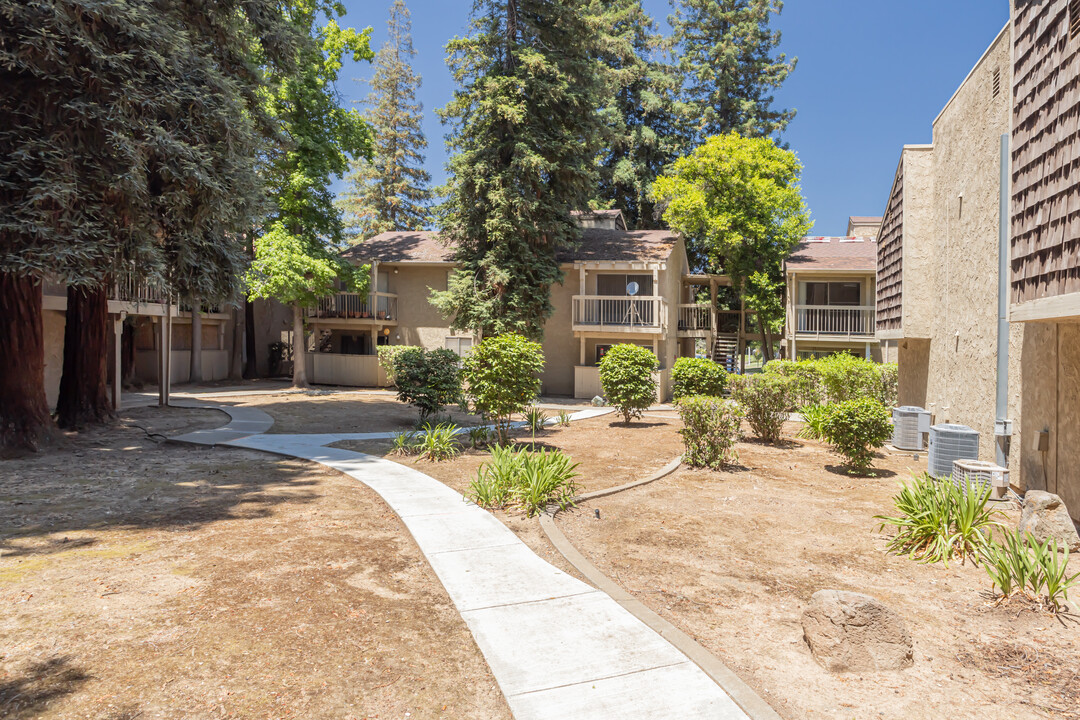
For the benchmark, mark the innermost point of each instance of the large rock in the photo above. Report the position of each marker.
(852, 632)
(1045, 516)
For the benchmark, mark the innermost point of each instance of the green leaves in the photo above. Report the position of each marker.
(502, 376)
(765, 399)
(427, 379)
(626, 376)
(527, 480)
(1024, 565)
(287, 269)
(710, 430)
(697, 376)
(855, 428)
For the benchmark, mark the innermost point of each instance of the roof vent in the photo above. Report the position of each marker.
(949, 442)
(997, 78)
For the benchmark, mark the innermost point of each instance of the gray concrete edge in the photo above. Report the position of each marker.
(742, 694)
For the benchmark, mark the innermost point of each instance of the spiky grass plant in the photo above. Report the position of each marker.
(439, 442)
(814, 417)
(563, 419)
(406, 443)
(527, 480)
(1021, 565)
(479, 436)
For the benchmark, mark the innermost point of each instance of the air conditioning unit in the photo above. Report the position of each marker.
(982, 474)
(949, 442)
(909, 425)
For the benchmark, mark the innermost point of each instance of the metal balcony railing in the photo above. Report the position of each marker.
(834, 320)
(354, 306)
(596, 311)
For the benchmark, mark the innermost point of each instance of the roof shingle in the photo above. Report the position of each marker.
(834, 253)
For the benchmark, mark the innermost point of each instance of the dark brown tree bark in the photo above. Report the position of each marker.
(25, 423)
(251, 365)
(84, 390)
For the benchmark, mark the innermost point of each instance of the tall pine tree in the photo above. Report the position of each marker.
(390, 191)
(727, 56)
(638, 113)
(525, 136)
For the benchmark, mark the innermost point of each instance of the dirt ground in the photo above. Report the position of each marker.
(335, 411)
(147, 580)
(733, 557)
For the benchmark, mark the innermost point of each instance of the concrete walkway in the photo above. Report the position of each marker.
(560, 649)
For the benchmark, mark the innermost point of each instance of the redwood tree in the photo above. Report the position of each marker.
(24, 412)
(84, 396)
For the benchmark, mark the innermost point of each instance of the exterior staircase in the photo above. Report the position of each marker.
(726, 352)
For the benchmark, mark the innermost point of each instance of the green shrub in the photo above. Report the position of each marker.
(626, 375)
(710, 430)
(387, 353)
(938, 520)
(527, 480)
(503, 377)
(406, 443)
(427, 379)
(806, 386)
(889, 384)
(697, 376)
(765, 400)
(1024, 565)
(845, 377)
(479, 436)
(855, 428)
(438, 442)
(814, 421)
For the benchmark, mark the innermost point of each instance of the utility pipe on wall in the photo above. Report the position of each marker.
(1001, 429)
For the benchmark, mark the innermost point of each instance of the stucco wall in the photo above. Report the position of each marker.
(959, 303)
(419, 322)
(561, 348)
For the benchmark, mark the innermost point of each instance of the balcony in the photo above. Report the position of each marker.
(375, 307)
(619, 314)
(695, 320)
(831, 321)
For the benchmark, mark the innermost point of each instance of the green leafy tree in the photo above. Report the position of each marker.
(739, 204)
(130, 131)
(390, 192)
(638, 109)
(296, 259)
(727, 58)
(502, 375)
(525, 135)
(626, 376)
(429, 380)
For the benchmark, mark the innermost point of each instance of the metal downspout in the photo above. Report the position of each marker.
(1001, 431)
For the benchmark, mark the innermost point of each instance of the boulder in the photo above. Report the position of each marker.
(852, 632)
(1045, 516)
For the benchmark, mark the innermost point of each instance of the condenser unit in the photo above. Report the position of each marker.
(948, 443)
(982, 474)
(909, 425)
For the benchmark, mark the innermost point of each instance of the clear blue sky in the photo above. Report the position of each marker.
(872, 76)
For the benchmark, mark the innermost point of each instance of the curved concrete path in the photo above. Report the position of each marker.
(560, 649)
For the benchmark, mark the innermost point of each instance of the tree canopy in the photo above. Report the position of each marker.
(525, 135)
(390, 191)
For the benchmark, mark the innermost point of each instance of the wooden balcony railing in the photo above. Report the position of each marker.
(634, 313)
(354, 306)
(834, 320)
(694, 317)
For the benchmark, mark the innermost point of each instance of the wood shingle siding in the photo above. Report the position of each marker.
(890, 251)
(1045, 242)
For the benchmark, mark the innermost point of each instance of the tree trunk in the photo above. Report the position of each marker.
(299, 373)
(25, 423)
(84, 390)
(766, 341)
(195, 368)
(236, 369)
(251, 365)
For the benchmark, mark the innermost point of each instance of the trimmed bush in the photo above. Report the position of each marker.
(889, 383)
(503, 378)
(765, 399)
(806, 386)
(387, 353)
(626, 375)
(855, 428)
(697, 376)
(427, 379)
(710, 430)
(845, 377)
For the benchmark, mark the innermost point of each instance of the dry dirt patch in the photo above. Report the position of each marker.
(733, 557)
(146, 580)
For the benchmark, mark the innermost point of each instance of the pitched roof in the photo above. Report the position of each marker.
(597, 244)
(864, 220)
(857, 254)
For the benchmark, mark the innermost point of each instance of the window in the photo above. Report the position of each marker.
(460, 345)
(616, 285)
(601, 351)
(833, 293)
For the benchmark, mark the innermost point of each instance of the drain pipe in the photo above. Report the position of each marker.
(1002, 424)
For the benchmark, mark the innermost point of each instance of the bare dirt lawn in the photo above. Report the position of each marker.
(733, 557)
(146, 580)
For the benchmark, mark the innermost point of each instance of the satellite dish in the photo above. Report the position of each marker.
(632, 288)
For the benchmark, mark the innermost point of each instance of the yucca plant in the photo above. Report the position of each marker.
(1055, 572)
(479, 436)
(998, 566)
(494, 479)
(1024, 565)
(438, 442)
(939, 520)
(405, 443)
(545, 477)
(563, 418)
(814, 417)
